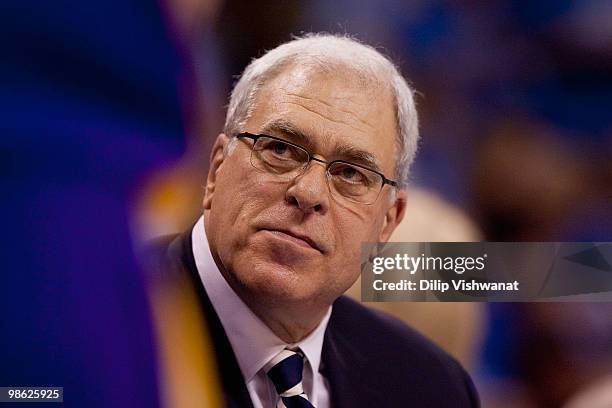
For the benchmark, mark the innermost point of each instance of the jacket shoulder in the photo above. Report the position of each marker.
(399, 358)
(167, 256)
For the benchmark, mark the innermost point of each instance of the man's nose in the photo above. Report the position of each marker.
(309, 191)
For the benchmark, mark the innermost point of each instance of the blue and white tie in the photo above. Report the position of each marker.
(285, 371)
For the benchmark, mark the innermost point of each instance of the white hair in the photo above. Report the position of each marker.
(325, 52)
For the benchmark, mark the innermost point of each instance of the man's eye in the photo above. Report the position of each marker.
(279, 148)
(349, 174)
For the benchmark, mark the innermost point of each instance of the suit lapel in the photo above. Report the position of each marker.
(235, 390)
(343, 365)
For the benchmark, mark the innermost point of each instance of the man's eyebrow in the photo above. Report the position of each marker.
(358, 156)
(287, 128)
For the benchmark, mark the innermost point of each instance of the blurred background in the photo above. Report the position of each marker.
(116, 105)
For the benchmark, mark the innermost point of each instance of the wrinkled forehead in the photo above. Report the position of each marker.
(335, 84)
(337, 108)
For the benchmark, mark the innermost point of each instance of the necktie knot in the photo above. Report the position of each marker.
(285, 372)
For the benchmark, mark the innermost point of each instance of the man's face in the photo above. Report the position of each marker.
(291, 241)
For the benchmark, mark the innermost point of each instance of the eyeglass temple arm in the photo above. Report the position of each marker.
(389, 182)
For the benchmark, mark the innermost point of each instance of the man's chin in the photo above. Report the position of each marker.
(277, 281)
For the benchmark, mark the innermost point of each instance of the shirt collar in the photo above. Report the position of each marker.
(252, 341)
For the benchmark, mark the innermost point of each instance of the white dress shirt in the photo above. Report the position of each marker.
(254, 344)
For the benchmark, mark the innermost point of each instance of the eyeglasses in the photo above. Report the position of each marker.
(287, 160)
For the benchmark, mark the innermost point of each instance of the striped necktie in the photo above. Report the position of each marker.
(285, 371)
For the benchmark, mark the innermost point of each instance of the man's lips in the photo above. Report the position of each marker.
(294, 237)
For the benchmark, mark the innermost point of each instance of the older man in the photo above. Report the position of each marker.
(312, 162)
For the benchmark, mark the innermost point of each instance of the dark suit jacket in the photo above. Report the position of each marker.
(369, 358)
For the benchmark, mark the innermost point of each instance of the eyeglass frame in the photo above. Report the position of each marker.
(328, 164)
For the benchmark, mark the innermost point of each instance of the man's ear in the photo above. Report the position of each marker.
(394, 216)
(217, 156)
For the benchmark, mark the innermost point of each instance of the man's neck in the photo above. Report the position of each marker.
(290, 324)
